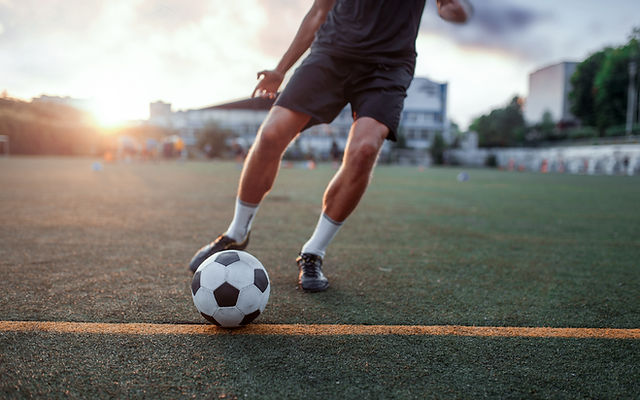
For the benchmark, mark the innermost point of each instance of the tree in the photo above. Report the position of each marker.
(501, 127)
(401, 140)
(582, 95)
(437, 149)
(213, 140)
(600, 85)
(610, 84)
(47, 128)
(456, 134)
(547, 126)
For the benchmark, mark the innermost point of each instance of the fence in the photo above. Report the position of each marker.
(607, 159)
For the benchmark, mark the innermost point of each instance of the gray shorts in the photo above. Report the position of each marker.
(323, 85)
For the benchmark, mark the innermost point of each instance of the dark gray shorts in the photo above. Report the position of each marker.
(323, 85)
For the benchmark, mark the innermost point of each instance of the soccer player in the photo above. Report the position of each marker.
(362, 53)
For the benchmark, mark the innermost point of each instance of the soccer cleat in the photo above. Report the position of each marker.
(223, 242)
(311, 278)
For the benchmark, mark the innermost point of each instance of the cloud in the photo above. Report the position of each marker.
(503, 25)
(28, 18)
(170, 15)
(283, 17)
(503, 19)
(496, 25)
(198, 52)
(190, 53)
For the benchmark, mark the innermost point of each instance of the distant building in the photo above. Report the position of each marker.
(159, 109)
(549, 89)
(243, 117)
(80, 104)
(424, 115)
(160, 114)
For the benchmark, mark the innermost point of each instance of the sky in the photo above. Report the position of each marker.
(122, 54)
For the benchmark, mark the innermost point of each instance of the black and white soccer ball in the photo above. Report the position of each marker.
(230, 288)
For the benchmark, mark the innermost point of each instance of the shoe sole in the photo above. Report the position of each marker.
(314, 289)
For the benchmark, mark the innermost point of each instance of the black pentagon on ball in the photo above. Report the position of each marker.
(195, 283)
(210, 319)
(260, 279)
(226, 295)
(250, 317)
(227, 259)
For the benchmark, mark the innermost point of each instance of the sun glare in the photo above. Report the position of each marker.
(108, 115)
(112, 114)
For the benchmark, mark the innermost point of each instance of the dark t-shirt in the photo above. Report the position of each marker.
(379, 31)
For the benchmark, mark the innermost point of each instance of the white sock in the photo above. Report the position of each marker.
(242, 219)
(322, 236)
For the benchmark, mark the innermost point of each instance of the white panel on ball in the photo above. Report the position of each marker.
(265, 298)
(212, 276)
(240, 274)
(250, 299)
(205, 263)
(228, 316)
(204, 301)
(251, 260)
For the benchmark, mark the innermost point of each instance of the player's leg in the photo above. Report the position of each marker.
(263, 161)
(350, 182)
(376, 93)
(313, 95)
(341, 197)
(261, 167)
(258, 174)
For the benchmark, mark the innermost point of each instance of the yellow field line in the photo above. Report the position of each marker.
(315, 329)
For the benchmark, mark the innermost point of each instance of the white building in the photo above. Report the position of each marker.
(549, 89)
(424, 115)
(159, 110)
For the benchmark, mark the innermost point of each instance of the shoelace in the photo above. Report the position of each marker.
(310, 265)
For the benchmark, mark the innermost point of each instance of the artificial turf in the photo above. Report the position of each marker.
(502, 249)
(276, 367)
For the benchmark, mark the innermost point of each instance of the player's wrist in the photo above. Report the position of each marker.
(280, 70)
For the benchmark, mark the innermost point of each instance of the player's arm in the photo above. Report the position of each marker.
(457, 11)
(270, 80)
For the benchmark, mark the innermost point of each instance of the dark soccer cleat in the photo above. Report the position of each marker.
(311, 278)
(223, 242)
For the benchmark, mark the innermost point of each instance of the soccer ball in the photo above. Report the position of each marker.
(230, 288)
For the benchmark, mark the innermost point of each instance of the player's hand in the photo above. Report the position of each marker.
(457, 11)
(267, 87)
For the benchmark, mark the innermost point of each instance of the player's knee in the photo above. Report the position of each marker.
(368, 151)
(363, 155)
(271, 140)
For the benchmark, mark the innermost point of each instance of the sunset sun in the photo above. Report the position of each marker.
(113, 112)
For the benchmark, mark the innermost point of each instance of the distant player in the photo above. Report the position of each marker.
(362, 53)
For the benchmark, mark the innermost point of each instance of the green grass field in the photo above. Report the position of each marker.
(503, 249)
